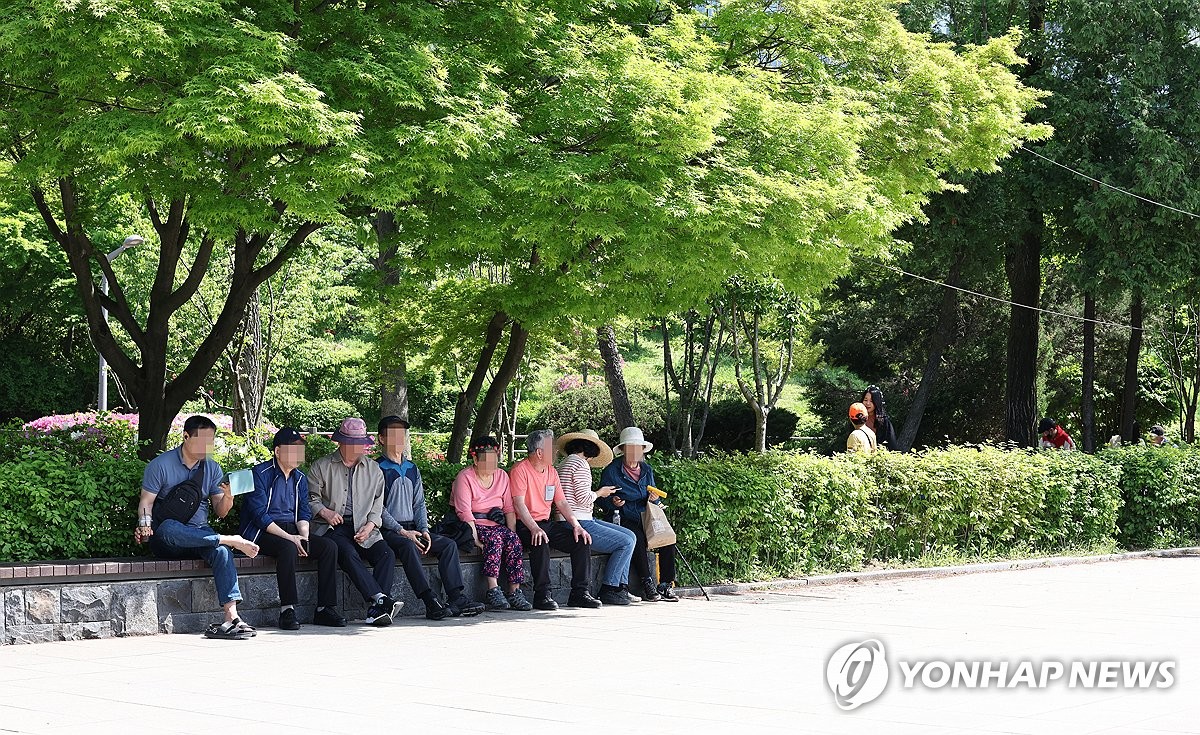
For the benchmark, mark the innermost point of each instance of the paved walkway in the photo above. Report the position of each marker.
(743, 664)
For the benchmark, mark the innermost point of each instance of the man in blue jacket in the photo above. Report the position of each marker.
(276, 515)
(406, 527)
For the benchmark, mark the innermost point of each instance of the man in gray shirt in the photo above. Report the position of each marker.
(345, 492)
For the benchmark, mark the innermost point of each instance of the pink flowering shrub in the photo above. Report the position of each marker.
(92, 434)
(59, 422)
(85, 436)
(568, 382)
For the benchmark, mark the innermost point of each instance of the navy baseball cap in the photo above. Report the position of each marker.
(287, 435)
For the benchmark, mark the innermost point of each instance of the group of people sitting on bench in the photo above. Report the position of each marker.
(361, 514)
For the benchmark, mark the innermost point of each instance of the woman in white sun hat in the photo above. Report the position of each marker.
(582, 451)
(631, 475)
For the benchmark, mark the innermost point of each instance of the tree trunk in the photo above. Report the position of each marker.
(509, 366)
(1193, 395)
(393, 367)
(1087, 403)
(466, 399)
(691, 381)
(1130, 390)
(394, 391)
(614, 375)
(158, 398)
(1189, 422)
(669, 412)
(154, 423)
(1023, 268)
(246, 372)
(760, 427)
(942, 334)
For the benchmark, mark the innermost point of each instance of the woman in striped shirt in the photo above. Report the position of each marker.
(584, 450)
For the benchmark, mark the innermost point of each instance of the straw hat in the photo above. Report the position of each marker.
(601, 460)
(632, 435)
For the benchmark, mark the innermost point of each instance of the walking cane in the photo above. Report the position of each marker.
(695, 576)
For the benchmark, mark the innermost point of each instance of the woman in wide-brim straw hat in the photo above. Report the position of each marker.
(631, 476)
(582, 451)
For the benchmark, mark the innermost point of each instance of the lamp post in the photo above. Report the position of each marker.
(102, 387)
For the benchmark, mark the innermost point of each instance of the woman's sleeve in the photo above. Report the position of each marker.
(578, 491)
(460, 498)
(605, 504)
(648, 473)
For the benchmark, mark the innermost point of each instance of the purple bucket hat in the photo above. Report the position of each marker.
(353, 431)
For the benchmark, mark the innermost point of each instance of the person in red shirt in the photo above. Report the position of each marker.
(535, 487)
(1053, 435)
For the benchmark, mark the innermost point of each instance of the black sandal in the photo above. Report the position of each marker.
(233, 630)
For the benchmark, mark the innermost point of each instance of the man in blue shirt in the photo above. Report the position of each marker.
(276, 516)
(195, 539)
(406, 527)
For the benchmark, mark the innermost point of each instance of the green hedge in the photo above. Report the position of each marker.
(53, 508)
(780, 514)
(739, 516)
(1161, 492)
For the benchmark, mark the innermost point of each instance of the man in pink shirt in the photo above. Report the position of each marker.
(535, 488)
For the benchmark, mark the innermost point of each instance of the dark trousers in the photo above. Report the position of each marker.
(320, 549)
(639, 567)
(562, 537)
(351, 557)
(409, 557)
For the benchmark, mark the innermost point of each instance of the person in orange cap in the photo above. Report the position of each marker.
(862, 439)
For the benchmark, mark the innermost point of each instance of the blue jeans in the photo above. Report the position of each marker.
(175, 540)
(618, 543)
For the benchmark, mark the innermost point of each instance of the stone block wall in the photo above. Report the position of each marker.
(43, 610)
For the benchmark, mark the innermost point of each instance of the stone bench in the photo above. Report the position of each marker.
(101, 598)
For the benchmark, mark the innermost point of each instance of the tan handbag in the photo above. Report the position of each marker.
(658, 530)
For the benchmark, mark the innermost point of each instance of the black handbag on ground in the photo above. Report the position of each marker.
(181, 502)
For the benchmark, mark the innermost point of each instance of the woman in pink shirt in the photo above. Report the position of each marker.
(481, 499)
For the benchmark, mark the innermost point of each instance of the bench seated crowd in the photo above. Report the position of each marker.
(363, 515)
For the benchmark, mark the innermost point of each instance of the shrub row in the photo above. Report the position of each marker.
(780, 514)
(739, 516)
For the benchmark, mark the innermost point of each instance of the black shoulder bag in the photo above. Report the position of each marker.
(181, 502)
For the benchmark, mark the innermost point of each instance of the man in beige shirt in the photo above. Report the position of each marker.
(345, 493)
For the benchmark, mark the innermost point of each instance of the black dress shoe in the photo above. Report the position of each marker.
(287, 620)
(329, 617)
(583, 599)
(545, 603)
(613, 596)
(435, 610)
